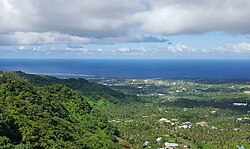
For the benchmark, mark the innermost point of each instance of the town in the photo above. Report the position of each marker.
(179, 113)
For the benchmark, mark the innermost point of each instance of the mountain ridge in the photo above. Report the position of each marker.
(49, 116)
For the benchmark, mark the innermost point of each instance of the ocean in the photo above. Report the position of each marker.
(140, 69)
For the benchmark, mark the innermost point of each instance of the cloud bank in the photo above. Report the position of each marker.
(26, 38)
(195, 16)
(115, 21)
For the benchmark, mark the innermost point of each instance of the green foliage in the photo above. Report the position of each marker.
(227, 125)
(94, 91)
(52, 116)
(47, 112)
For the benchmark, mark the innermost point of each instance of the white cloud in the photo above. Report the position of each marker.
(243, 47)
(129, 38)
(25, 38)
(117, 21)
(123, 50)
(142, 49)
(21, 48)
(228, 48)
(181, 48)
(195, 16)
(139, 50)
(99, 50)
(37, 48)
(95, 18)
(76, 50)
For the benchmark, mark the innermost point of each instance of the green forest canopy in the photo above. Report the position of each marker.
(44, 114)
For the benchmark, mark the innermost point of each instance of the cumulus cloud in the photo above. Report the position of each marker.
(139, 50)
(21, 48)
(130, 38)
(180, 48)
(228, 48)
(25, 38)
(76, 50)
(117, 21)
(123, 50)
(51, 49)
(73, 21)
(152, 39)
(99, 50)
(195, 16)
(53, 21)
(95, 18)
(243, 47)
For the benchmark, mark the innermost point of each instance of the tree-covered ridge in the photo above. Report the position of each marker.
(51, 116)
(92, 90)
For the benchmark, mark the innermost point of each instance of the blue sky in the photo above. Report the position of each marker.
(138, 29)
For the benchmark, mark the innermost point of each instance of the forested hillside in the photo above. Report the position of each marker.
(92, 90)
(49, 116)
(48, 112)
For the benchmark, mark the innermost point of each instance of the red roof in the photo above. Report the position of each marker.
(201, 123)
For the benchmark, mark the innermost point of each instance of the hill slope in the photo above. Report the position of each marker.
(52, 116)
(92, 90)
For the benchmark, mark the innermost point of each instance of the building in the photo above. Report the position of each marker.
(240, 104)
(201, 123)
(171, 145)
(164, 120)
(185, 109)
(241, 147)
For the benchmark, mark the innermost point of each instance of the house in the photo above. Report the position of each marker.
(185, 109)
(128, 121)
(236, 129)
(213, 112)
(114, 121)
(165, 120)
(186, 125)
(201, 123)
(246, 118)
(240, 104)
(241, 147)
(158, 139)
(213, 127)
(239, 119)
(145, 143)
(171, 145)
(247, 92)
(174, 119)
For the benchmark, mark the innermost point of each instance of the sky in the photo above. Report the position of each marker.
(125, 29)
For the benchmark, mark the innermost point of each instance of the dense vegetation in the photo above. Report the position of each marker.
(94, 91)
(48, 112)
(52, 116)
(181, 104)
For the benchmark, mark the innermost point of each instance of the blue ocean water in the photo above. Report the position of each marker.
(218, 69)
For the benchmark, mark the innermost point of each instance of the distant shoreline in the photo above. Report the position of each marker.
(95, 77)
(133, 69)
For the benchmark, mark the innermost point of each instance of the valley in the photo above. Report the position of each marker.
(123, 113)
